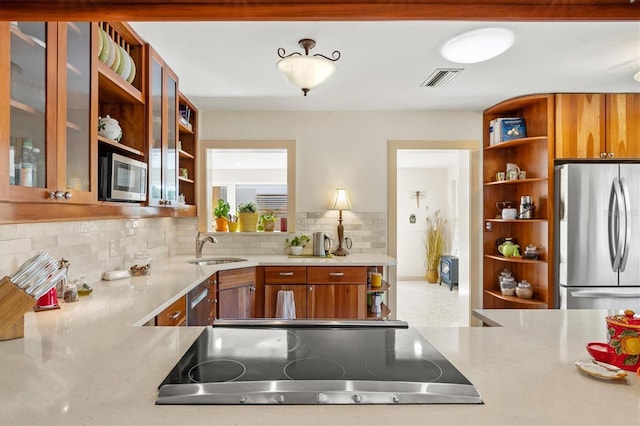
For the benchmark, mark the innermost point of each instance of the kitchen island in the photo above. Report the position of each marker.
(91, 362)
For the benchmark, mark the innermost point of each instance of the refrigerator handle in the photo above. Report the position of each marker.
(627, 223)
(615, 242)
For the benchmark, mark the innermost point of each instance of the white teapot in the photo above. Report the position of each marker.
(109, 128)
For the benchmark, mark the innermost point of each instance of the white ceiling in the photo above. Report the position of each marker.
(231, 65)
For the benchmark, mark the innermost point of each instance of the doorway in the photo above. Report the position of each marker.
(447, 189)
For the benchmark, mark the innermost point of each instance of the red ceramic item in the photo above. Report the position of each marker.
(623, 342)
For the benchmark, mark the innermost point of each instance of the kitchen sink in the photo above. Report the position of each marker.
(215, 260)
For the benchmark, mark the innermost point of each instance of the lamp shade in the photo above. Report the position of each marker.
(306, 72)
(341, 200)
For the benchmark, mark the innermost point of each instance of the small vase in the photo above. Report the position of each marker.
(222, 224)
(269, 225)
(296, 250)
(233, 226)
(432, 276)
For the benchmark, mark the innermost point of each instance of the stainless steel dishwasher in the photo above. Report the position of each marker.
(199, 305)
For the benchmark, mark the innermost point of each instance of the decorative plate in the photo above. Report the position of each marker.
(599, 371)
(132, 74)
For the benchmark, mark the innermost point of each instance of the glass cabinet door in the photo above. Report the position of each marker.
(156, 196)
(75, 125)
(30, 138)
(163, 131)
(171, 176)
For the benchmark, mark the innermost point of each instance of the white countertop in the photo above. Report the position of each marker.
(87, 363)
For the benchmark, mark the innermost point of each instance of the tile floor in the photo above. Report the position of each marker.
(427, 305)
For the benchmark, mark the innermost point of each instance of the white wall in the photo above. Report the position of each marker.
(435, 183)
(347, 149)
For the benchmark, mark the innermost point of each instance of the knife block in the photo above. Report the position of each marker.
(14, 303)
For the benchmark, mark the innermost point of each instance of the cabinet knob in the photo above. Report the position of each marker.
(611, 155)
(175, 315)
(58, 195)
(310, 288)
(68, 195)
(603, 155)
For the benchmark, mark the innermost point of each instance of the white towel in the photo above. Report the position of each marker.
(285, 305)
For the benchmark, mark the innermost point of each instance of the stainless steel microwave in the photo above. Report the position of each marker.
(121, 178)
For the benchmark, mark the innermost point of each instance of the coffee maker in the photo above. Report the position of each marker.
(526, 207)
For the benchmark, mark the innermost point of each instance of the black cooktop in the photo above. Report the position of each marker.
(272, 364)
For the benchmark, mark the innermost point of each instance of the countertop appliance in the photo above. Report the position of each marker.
(314, 362)
(121, 178)
(597, 247)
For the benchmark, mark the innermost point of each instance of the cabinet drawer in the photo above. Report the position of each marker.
(285, 275)
(175, 314)
(236, 278)
(337, 275)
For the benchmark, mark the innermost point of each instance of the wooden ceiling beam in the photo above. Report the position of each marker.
(319, 10)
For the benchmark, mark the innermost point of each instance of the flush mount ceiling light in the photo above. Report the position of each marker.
(478, 45)
(636, 77)
(304, 71)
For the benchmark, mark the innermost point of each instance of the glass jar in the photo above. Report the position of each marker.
(70, 291)
(141, 264)
(531, 252)
(508, 285)
(524, 290)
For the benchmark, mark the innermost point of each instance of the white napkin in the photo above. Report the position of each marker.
(285, 305)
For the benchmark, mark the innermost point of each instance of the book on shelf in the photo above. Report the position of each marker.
(505, 129)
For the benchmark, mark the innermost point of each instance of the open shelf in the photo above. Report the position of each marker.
(185, 154)
(514, 259)
(115, 89)
(381, 316)
(515, 181)
(384, 287)
(533, 303)
(516, 142)
(119, 146)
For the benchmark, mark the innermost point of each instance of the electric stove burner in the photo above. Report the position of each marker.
(217, 370)
(313, 369)
(406, 370)
(288, 362)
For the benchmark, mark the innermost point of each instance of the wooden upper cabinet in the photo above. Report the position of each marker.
(623, 125)
(49, 94)
(596, 125)
(580, 125)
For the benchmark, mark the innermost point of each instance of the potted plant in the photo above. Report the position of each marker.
(221, 213)
(248, 216)
(296, 244)
(436, 228)
(268, 221)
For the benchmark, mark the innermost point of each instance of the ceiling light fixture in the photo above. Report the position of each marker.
(304, 71)
(636, 77)
(478, 45)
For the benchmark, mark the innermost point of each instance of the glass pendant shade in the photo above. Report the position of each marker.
(306, 72)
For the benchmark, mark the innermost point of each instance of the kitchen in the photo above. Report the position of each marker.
(176, 236)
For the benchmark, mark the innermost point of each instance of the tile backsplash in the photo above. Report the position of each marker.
(95, 246)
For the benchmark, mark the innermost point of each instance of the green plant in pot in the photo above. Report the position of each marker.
(267, 221)
(221, 214)
(296, 244)
(436, 229)
(248, 216)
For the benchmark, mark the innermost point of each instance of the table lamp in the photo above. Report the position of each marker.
(341, 202)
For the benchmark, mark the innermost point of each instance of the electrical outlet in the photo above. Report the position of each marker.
(487, 226)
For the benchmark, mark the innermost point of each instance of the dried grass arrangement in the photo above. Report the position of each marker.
(436, 230)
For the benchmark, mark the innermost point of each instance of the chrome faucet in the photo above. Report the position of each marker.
(200, 243)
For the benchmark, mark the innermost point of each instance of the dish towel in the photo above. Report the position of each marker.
(285, 305)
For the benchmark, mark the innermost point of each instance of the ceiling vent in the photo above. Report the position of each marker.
(441, 76)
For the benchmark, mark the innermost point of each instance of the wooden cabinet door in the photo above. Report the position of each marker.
(580, 125)
(336, 301)
(623, 125)
(236, 293)
(299, 298)
(237, 303)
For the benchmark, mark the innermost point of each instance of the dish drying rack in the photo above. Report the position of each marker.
(18, 299)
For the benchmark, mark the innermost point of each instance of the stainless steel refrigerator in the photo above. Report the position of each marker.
(597, 236)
